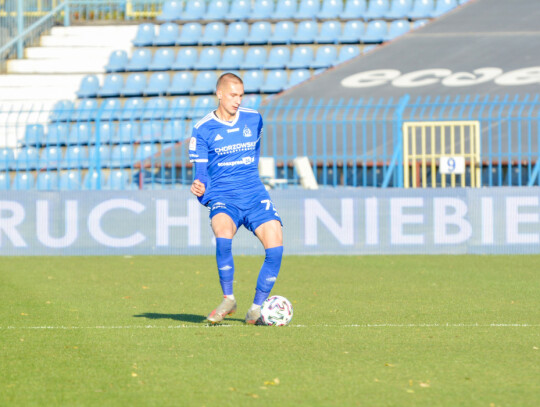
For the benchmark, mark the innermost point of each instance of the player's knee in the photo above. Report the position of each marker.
(274, 255)
(223, 246)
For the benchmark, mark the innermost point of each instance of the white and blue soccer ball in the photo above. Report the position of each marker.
(276, 311)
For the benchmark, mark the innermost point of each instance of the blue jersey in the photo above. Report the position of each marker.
(231, 151)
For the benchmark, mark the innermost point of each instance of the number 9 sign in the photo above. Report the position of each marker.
(452, 165)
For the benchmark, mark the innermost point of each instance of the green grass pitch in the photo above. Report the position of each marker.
(367, 331)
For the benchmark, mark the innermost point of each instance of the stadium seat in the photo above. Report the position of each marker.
(158, 84)
(104, 133)
(190, 34)
(302, 57)
(399, 9)
(347, 52)
(213, 33)
(397, 28)
(306, 31)
(174, 130)
(179, 107)
(239, 10)
(201, 107)
(94, 180)
(195, 10)
(181, 83)
(307, 9)
(442, 7)
(326, 57)
(145, 35)
(208, 59)
(205, 83)
(86, 110)
(23, 181)
(167, 35)
(236, 33)
(329, 32)
(7, 158)
(231, 59)
(34, 135)
(110, 109)
(89, 87)
(217, 10)
(155, 108)
(47, 181)
(57, 133)
(285, 10)
(80, 133)
(283, 32)
(421, 9)
(122, 155)
(251, 101)
(140, 60)
(377, 9)
(99, 157)
(70, 181)
(117, 61)
(297, 76)
(330, 9)
(260, 32)
(185, 59)
(133, 109)
(278, 58)
(255, 58)
(50, 157)
(118, 180)
(112, 85)
(128, 133)
(354, 10)
(352, 32)
(75, 157)
(163, 60)
(62, 111)
(253, 80)
(5, 182)
(144, 151)
(151, 131)
(262, 9)
(420, 23)
(376, 31)
(172, 10)
(134, 86)
(275, 81)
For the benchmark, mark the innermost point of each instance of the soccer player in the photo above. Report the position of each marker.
(225, 148)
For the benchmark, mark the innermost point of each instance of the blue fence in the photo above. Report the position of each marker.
(120, 144)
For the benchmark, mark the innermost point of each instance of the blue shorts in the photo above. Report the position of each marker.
(262, 211)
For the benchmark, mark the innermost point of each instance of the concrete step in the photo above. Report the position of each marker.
(107, 31)
(44, 93)
(67, 53)
(40, 81)
(110, 36)
(55, 66)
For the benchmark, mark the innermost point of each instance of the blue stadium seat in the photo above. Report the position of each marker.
(397, 28)
(133, 109)
(240, 10)
(5, 182)
(27, 158)
(34, 135)
(158, 84)
(377, 9)
(112, 85)
(168, 34)
(179, 107)
(208, 59)
(262, 9)
(23, 181)
(306, 31)
(420, 23)
(128, 133)
(47, 181)
(302, 57)
(260, 32)
(283, 32)
(57, 133)
(181, 83)
(278, 58)
(62, 111)
(70, 181)
(140, 60)
(421, 9)
(231, 59)
(330, 9)
(201, 107)
(275, 81)
(117, 61)
(110, 109)
(118, 180)
(80, 133)
(255, 58)
(155, 108)
(326, 57)
(151, 131)
(236, 33)
(163, 60)
(93, 180)
(442, 7)
(50, 157)
(399, 9)
(354, 10)
(75, 157)
(89, 87)
(122, 155)
(104, 132)
(86, 110)
(145, 35)
(190, 34)
(329, 32)
(376, 31)
(297, 76)
(347, 52)
(134, 86)
(253, 80)
(144, 151)
(285, 10)
(352, 32)
(172, 10)
(307, 9)
(217, 10)
(99, 157)
(205, 83)
(213, 33)
(185, 59)
(7, 158)
(195, 10)
(174, 130)
(251, 101)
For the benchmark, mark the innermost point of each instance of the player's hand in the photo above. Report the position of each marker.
(198, 188)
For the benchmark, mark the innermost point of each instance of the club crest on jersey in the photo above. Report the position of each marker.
(193, 143)
(246, 132)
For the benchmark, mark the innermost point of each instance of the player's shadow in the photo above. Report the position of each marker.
(196, 319)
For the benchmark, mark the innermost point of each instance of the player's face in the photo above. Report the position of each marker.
(230, 96)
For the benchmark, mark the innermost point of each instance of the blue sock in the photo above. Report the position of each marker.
(268, 274)
(225, 264)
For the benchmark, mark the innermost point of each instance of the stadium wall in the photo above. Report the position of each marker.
(328, 221)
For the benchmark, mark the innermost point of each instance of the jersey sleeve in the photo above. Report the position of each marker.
(198, 149)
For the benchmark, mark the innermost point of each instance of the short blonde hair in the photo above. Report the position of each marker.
(228, 77)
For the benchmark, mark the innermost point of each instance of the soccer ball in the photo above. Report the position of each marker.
(276, 310)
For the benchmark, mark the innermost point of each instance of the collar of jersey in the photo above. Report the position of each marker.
(227, 123)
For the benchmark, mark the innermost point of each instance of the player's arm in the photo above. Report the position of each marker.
(198, 155)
